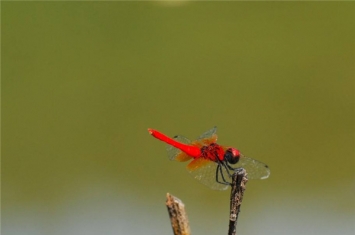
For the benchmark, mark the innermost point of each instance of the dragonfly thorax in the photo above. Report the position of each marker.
(213, 152)
(232, 155)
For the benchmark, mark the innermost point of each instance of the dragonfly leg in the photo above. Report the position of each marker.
(235, 168)
(231, 168)
(227, 167)
(219, 170)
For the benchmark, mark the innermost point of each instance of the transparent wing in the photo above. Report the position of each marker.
(208, 134)
(177, 154)
(254, 168)
(206, 138)
(204, 171)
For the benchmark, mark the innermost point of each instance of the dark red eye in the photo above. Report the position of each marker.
(232, 155)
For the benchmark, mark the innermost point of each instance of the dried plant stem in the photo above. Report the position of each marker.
(239, 179)
(178, 216)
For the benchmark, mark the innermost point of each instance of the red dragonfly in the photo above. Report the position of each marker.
(211, 163)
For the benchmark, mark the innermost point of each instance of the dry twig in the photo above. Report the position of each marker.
(178, 216)
(177, 213)
(239, 179)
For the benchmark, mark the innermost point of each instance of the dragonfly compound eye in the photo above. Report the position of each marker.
(232, 155)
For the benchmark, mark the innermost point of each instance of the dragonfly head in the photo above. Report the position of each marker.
(232, 155)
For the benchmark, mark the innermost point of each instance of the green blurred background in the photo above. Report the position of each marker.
(82, 82)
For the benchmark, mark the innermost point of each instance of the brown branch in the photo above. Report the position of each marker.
(239, 179)
(178, 216)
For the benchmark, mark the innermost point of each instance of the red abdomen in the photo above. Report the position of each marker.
(212, 152)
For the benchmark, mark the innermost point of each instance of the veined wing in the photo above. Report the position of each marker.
(177, 154)
(254, 168)
(206, 138)
(204, 171)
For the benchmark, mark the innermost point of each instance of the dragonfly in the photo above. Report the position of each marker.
(210, 163)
